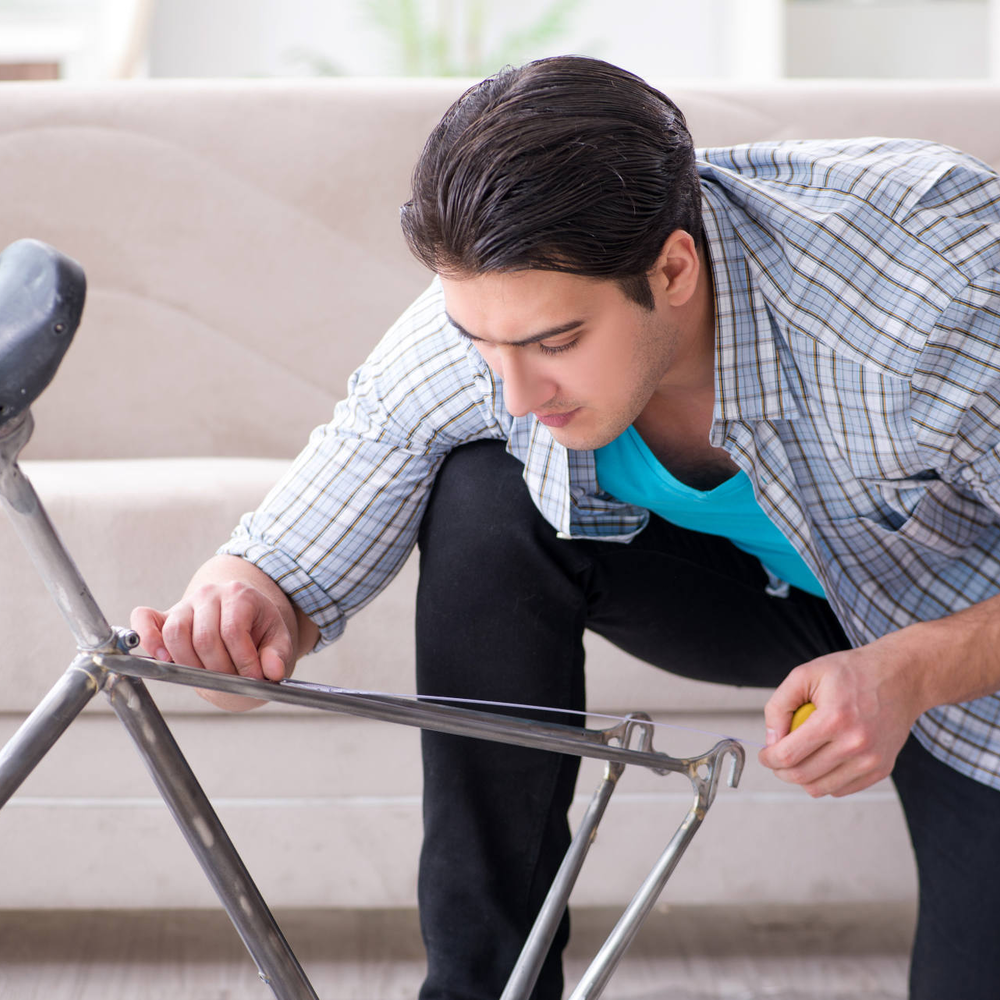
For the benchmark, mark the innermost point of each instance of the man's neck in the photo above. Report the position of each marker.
(676, 430)
(676, 422)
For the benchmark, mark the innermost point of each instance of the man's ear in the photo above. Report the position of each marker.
(675, 273)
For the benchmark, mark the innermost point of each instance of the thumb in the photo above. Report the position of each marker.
(273, 664)
(275, 652)
(790, 695)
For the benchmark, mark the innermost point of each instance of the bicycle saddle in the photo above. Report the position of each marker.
(41, 301)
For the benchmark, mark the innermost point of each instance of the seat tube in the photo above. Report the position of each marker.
(53, 562)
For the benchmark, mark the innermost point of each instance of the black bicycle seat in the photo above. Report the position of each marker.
(41, 301)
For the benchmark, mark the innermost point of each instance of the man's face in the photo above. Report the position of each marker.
(574, 351)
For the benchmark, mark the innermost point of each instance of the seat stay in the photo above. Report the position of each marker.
(536, 947)
(596, 978)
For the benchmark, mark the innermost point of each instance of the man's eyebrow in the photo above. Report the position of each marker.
(554, 331)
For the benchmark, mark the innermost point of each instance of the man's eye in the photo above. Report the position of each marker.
(558, 349)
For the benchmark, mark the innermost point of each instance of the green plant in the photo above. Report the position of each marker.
(452, 40)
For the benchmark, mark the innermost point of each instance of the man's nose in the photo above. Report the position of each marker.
(524, 390)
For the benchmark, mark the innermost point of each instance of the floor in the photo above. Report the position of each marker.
(834, 953)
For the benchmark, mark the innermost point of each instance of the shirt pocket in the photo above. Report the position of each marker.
(928, 513)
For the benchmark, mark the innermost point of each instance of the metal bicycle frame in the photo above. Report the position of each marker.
(103, 663)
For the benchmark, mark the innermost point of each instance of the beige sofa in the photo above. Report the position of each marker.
(242, 248)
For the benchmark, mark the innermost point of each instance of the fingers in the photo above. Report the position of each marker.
(179, 635)
(837, 767)
(243, 617)
(804, 756)
(148, 623)
(229, 628)
(835, 776)
(168, 635)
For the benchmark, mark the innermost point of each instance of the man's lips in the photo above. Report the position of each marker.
(556, 419)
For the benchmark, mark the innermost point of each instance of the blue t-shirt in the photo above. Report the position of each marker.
(628, 470)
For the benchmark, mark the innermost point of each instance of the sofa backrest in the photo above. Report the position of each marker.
(242, 245)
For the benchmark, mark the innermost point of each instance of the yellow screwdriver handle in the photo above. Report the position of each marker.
(801, 714)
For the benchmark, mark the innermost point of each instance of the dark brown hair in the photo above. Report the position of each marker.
(564, 164)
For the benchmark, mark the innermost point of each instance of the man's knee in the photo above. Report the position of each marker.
(479, 503)
(485, 547)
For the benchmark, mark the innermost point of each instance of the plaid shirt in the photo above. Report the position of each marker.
(857, 288)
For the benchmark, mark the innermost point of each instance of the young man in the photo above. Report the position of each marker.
(738, 413)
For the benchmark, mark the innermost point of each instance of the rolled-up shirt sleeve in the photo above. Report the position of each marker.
(340, 523)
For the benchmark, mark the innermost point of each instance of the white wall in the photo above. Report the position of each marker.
(887, 39)
(677, 38)
(756, 39)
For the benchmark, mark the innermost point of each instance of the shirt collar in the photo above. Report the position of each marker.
(750, 383)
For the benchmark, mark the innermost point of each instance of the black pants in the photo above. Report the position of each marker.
(501, 611)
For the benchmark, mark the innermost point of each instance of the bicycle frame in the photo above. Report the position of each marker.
(105, 663)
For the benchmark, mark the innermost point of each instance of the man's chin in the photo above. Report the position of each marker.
(580, 438)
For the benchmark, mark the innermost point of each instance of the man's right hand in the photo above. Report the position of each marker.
(232, 619)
